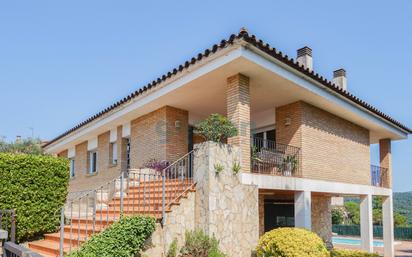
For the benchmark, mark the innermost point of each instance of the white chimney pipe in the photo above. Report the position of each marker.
(304, 57)
(339, 79)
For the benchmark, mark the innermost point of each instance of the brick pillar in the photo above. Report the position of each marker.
(238, 111)
(385, 155)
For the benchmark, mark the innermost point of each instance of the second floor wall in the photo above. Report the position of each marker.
(332, 148)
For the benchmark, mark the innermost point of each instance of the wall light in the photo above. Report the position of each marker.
(288, 121)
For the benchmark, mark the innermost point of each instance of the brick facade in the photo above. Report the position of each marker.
(106, 171)
(238, 111)
(159, 135)
(333, 149)
(385, 155)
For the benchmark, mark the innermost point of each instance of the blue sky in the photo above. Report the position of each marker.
(62, 61)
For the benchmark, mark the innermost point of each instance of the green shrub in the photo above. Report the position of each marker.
(351, 253)
(36, 187)
(216, 128)
(124, 238)
(198, 244)
(291, 242)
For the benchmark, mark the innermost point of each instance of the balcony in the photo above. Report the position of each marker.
(269, 157)
(379, 176)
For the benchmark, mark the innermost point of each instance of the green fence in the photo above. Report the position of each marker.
(401, 233)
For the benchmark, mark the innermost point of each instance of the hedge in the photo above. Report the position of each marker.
(124, 238)
(351, 253)
(36, 187)
(291, 242)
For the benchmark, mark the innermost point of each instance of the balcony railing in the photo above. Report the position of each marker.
(379, 176)
(269, 157)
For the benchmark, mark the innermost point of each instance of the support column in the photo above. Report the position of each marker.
(238, 112)
(303, 210)
(366, 222)
(385, 155)
(387, 220)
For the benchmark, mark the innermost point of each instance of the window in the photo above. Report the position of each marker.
(72, 172)
(92, 162)
(128, 152)
(113, 153)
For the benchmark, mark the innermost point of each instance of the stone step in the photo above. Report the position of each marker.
(50, 247)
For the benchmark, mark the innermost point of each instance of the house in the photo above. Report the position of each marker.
(302, 140)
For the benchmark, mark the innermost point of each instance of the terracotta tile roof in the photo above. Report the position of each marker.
(251, 39)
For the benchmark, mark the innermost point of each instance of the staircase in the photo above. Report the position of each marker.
(139, 192)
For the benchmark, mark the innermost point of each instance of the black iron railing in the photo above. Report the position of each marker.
(379, 176)
(269, 157)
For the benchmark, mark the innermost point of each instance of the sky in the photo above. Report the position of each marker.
(62, 61)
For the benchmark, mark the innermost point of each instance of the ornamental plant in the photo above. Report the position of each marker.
(156, 165)
(216, 128)
(36, 187)
(124, 238)
(291, 242)
(198, 244)
(351, 253)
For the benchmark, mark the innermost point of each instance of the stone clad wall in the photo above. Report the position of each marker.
(178, 221)
(322, 217)
(224, 207)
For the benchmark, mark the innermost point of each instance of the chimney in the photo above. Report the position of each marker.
(305, 57)
(339, 79)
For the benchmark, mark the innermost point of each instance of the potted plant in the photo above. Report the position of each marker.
(289, 165)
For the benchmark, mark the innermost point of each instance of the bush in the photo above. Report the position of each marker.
(351, 253)
(172, 249)
(36, 187)
(291, 242)
(124, 238)
(198, 244)
(338, 215)
(216, 128)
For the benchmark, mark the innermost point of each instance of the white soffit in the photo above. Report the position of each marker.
(113, 135)
(92, 144)
(126, 129)
(71, 152)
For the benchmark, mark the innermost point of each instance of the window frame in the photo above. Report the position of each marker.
(93, 162)
(72, 170)
(114, 158)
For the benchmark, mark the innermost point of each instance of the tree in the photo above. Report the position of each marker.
(353, 212)
(400, 220)
(27, 146)
(216, 128)
(338, 216)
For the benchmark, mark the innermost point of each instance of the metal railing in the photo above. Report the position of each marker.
(8, 223)
(379, 176)
(13, 250)
(135, 192)
(178, 177)
(269, 157)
